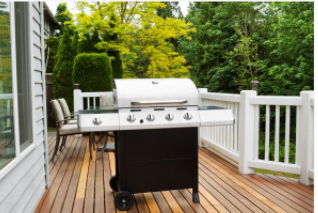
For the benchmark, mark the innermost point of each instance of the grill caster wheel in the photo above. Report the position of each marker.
(123, 201)
(113, 183)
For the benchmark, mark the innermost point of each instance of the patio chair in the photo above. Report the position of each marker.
(64, 129)
(66, 111)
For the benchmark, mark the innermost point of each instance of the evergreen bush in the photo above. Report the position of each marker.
(85, 46)
(93, 72)
(52, 44)
(62, 72)
(74, 44)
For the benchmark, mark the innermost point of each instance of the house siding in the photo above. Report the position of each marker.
(22, 188)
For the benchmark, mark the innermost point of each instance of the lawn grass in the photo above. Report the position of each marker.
(282, 174)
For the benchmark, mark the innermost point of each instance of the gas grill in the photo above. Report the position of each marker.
(156, 123)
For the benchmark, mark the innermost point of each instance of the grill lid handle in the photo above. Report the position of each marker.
(159, 102)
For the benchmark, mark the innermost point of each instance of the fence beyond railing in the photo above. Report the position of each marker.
(255, 140)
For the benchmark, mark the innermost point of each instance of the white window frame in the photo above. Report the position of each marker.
(19, 156)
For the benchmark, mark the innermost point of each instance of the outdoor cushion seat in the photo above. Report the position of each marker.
(66, 112)
(63, 128)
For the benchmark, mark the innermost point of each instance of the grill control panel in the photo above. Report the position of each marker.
(150, 118)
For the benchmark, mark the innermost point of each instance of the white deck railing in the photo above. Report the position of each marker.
(241, 142)
(87, 99)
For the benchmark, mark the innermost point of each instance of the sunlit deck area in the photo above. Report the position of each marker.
(78, 184)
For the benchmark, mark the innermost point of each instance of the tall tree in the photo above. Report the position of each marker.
(290, 49)
(171, 10)
(75, 43)
(143, 46)
(84, 45)
(63, 69)
(62, 15)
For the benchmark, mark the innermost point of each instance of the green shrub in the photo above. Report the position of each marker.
(93, 72)
(85, 46)
(52, 44)
(62, 72)
(74, 44)
(116, 64)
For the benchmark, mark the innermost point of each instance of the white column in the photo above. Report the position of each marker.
(78, 102)
(201, 90)
(306, 137)
(246, 131)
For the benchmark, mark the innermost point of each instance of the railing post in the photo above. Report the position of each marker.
(201, 90)
(246, 132)
(306, 137)
(78, 103)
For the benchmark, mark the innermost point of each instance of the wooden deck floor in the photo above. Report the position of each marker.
(79, 184)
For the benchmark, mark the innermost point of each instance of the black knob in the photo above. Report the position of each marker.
(141, 121)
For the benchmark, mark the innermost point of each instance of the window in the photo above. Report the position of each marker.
(23, 73)
(8, 142)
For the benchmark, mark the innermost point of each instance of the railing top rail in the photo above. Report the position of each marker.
(276, 100)
(94, 94)
(221, 97)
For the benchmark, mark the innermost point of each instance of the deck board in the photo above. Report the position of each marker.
(78, 184)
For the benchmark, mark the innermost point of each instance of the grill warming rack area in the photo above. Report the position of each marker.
(155, 123)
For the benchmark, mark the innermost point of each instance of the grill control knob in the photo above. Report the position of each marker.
(169, 117)
(151, 117)
(131, 118)
(187, 116)
(97, 121)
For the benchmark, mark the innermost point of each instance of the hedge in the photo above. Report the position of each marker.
(93, 72)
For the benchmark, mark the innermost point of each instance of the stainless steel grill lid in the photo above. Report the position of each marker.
(132, 93)
(154, 104)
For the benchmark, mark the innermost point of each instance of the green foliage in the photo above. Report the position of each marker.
(85, 45)
(142, 36)
(62, 72)
(93, 72)
(75, 43)
(237, 42)
(112, 37)
(171, 10)
(52, 44)
(62, 15)
(95, 40)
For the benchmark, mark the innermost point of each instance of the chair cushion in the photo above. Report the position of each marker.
(106, 100)
(72, 121)
(68, 129)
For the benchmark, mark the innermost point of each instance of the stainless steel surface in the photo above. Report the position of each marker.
(216, 117)
(187, 116)
(107, 122)
(151, 117)
(165, 92)
(97, 121)
(160, 121)
(169, 117)
(154, 104)
(131, 118)
(158, 102)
